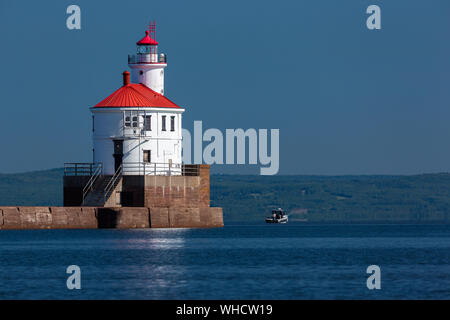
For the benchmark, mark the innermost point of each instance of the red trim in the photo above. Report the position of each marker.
(147, 40)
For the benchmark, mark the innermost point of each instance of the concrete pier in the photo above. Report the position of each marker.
(20, 218)
(136, 201)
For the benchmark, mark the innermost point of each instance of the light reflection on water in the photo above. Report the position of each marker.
(251, 262)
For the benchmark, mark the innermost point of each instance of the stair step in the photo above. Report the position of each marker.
(96, 197)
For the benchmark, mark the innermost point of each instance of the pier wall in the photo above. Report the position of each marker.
(19, 218)
(188, 191)
(138, 201)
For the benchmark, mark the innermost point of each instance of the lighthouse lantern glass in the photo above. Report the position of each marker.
(143, 49)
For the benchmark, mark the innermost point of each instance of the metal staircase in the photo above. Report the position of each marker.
(112, 184)
(91, 183)
(97, 192)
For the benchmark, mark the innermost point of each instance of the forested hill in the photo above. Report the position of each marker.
(418, 198)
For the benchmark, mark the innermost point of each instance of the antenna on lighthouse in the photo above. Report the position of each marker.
(152, 30)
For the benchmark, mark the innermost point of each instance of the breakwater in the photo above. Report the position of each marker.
(101, 217)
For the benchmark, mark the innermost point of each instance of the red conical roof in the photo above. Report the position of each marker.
(147, 40)
(136, 95)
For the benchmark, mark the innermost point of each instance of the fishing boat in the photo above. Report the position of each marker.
(278, 216)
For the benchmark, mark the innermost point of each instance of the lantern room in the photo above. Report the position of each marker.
(147, 48)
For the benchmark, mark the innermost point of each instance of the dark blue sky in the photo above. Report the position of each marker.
(346, 100)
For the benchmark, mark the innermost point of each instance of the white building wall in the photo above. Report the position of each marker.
(164, 145)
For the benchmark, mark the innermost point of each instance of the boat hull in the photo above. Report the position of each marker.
(275, 220)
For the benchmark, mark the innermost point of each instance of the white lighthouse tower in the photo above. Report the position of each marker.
(147, 67)
(137, 130)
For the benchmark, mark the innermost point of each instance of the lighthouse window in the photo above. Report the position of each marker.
(172, 123)
(148, 123)
(163, 125)
(135, 122)
(127, 121)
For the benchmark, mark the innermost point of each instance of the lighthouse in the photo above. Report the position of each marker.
(137, 130)
(137, 178)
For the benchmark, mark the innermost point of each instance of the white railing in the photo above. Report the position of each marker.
(129, 168)
(156, 169)
(159, 169)
(147, 58)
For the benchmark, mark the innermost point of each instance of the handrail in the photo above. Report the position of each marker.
(112, 182)
(90, 184)
(159, 168)
(131, 168)
(80, 168)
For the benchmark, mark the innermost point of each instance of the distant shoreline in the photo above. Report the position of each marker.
(373, 199)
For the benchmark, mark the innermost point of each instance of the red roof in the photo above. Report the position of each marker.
(147, 40)
(136, 95)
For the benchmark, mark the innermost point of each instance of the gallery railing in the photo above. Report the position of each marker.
(147, 58)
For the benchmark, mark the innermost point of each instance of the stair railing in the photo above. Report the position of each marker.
(112, 182)
(90, 184)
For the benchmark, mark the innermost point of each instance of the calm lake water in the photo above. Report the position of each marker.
(291, 261)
